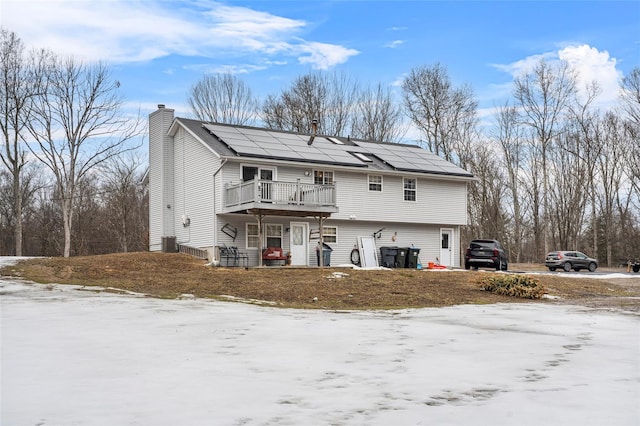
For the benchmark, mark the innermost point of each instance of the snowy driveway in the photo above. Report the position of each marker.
(73, 357)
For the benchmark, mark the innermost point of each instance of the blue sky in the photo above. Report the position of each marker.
(159, 48)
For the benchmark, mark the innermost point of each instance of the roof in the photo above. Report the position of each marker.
(253, 142)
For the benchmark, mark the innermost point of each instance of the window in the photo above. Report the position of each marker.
(322, 177)
(249, 173)
(410, 186)
(273, 235)
(375, 183)
(253, 240)
(330, 234)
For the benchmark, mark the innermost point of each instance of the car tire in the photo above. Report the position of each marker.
(499, 266)
(636, 268)
(552, 268)
(506, 266)
(467, 266)
(592, 267)
(566, 267)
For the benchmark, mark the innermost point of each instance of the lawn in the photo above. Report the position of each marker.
(175, 275)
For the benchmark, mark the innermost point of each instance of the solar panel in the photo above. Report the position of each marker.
(295, 147)
(402, 157)
(271, 144)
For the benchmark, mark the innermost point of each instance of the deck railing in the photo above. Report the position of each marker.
(193, 251)
(277, 192)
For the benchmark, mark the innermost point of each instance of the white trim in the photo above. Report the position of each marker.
(415, 190)
(381, 182)
(305, 239)
(452, 246)
(274, 169)
(324, 234)
(246, 236)
(172, 130)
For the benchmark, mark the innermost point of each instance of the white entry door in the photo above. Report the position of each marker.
(298, 232)
(446, 247)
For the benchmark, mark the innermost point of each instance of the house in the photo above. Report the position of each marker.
(214, 186)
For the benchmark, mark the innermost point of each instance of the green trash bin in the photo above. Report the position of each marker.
(401, 257)
(412, 257)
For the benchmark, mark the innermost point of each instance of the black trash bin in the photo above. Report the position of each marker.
(326, 254)
(412, 257)
(388, 257)
(401, 257)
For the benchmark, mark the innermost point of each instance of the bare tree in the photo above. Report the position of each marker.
(445, 115)
(77, 125)
(630, 95)
(19, 83)
(223, 98)
(377, 117)
(543, 96)
(509, 135)
(327, 97)
(486, 211)
(585, 125)
(631, 106)
(567, 192)
(611, 176)
(125, 202)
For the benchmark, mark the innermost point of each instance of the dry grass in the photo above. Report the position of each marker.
(171, 275)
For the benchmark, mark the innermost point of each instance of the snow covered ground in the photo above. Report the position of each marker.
(71, 356)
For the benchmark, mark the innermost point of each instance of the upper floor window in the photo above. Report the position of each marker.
(375, 183)
(410, 186)
(322, 177)
(250, 172)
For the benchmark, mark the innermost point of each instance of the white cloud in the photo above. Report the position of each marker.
(593, 65)
(323, 56)
(395, 43)
(142, 30)
(523, 66)
(590, 64)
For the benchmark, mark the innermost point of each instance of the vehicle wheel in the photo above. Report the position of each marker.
(467, 266)
(592, 267)
(499, 266)
(355, 257)
(506, 266)
(636, 268)
(552, 269)
(567, 267)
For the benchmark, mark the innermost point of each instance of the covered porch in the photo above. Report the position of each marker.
(263, 198)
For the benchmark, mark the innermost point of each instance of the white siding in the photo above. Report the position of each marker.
(194, 192)
(438, 201)
(160, 178)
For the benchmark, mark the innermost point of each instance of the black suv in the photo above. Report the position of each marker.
(485, 253)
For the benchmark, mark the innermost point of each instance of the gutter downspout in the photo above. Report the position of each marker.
(215, 213)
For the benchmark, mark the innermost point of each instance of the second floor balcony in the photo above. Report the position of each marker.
(287, 197)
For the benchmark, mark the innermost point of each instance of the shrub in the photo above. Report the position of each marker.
(513, 285)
